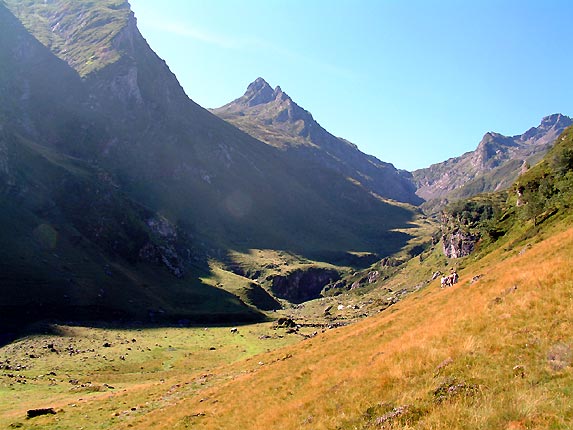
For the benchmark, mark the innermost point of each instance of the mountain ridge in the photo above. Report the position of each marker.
(494, 164)
(143, 145)
(273, 117)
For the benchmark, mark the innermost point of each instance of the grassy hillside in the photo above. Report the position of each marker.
(493, 351)
(83, 35)
(73, 249)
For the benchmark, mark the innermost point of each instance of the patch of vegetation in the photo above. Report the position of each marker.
(80, 32)
(541, 193)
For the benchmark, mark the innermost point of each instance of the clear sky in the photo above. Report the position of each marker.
(411, 82)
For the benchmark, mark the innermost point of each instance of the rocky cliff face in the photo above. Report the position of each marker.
(273, 117)
(494, 165)
(303, 285)
(457, 243)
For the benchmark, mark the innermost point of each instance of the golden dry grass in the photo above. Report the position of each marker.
(494, 354)
(486, 345)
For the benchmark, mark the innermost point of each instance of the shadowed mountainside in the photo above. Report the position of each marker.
(101, 149)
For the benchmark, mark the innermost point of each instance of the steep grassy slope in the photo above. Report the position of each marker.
(75, 247)
(492, 353)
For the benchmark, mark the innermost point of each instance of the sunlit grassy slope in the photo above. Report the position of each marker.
(495, 353)
(492, 353)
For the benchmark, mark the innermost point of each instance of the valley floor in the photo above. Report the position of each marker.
(493, 351)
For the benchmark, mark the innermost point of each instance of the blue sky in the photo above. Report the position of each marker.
(412, 82)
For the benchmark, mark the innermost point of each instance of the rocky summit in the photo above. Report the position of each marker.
(494, 165)
(274, 118)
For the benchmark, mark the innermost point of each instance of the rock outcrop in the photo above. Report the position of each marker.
(302, 285)
(458, 243)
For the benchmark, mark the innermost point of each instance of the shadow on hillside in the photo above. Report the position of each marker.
(11, 333)
(179, 303)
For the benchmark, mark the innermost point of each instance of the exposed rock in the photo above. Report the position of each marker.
(286, 322)
(390, 262)
(335, 288)
(458, 243)
(273, 117)
(355, 285)
(494, 165)
(302, 285)
(373, 276)
(390, 416)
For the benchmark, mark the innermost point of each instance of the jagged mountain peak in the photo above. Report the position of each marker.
(259, 92)
(494, 164)
(551, 125)
(556, 118)
(273, 117)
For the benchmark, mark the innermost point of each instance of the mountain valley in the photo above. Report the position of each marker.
(168, 266)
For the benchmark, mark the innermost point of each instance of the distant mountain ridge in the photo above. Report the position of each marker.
(273, 117)
(494, 165)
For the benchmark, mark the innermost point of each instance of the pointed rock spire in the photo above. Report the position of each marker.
(258, 92)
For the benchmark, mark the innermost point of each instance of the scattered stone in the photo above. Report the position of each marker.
(286, 322)
(519, 370)
(444, 364)
(107, 345)
(559, 356)
(373, 276)
(38, 412)
(452, 388)
(394, 413)
(476, 278)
